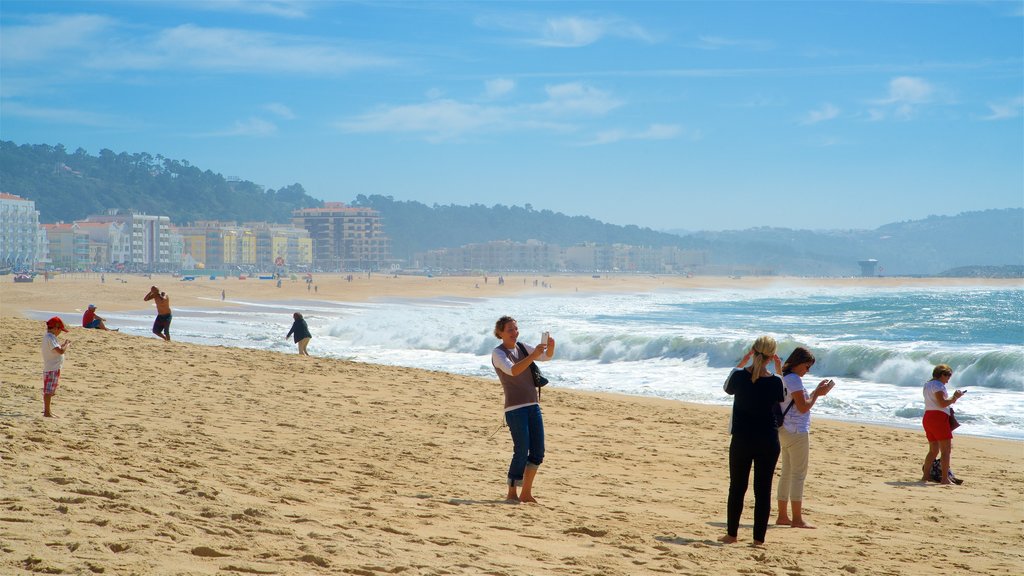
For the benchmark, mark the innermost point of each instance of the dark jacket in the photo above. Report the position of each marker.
(300, 330)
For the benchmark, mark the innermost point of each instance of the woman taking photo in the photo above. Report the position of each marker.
(511, 361)
(794, 435)
(936, 421)
(755, 439)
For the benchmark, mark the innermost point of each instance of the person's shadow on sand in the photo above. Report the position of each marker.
(680, 541)
(464, 502)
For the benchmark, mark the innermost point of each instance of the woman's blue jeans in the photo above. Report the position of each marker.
(527, 428)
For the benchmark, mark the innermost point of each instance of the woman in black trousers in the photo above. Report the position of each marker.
(755, 439)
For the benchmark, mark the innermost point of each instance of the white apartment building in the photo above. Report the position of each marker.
(19, 233)
(149, 238)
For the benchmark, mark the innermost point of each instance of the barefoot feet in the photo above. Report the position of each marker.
(727, 539)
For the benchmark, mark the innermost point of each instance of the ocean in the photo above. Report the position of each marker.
(878, 344)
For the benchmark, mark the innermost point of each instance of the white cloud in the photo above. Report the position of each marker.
(577, 98)
(229, 50)
(61, 115)
(438, 119)
(721, 43)
(100, 43)
(652, 132)
(908, 90)
(251, 127)
(291, 9)
(45, 37)
(499, 87)
(280, 110)
(568, 31)
(906, 94)
(446, 119)
(825, 112)
(1011, 108)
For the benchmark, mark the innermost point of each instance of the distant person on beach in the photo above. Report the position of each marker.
(91, 320)
(162, 324)
(301, 333)
(511, 361)
(755, 440)
(937, 403)
(794, 435)
(53, 360)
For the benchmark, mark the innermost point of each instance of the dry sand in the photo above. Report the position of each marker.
(184, 459)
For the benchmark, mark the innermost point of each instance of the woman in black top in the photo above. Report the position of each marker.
(755, 439)
(301, 332)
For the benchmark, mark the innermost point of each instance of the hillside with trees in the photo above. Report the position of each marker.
(70, 186)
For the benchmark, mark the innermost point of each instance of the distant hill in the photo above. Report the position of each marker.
(415, 227)
(929, 246)
(70, 186)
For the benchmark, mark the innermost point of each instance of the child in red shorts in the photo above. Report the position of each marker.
(53, 359)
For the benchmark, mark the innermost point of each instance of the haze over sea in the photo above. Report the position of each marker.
(878, 344)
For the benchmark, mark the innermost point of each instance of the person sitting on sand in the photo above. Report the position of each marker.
(91, 320)
(937, 404)
(511, 361)
(301, 333)
(755, 440)
(53, 360)
(162, 324)
(794, 435)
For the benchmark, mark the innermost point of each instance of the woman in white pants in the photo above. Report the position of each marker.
(794, 435)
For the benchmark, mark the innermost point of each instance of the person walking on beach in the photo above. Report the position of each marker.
(92, 320)
(794, 435)
(937, 403)
(162, 324)
(301, 333)
(755, 440)
(511, 361)
(53, 359)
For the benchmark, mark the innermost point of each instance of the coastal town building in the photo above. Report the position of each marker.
(534, 255)
(345, 237)
(149, 239)
(20, 245)
(68, 246)
(219, 244)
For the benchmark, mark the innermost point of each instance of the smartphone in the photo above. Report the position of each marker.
(544, 338)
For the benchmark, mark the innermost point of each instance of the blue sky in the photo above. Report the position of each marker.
(673, 115)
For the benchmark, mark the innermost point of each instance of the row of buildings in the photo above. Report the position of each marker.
(534, 255)
(334, 237)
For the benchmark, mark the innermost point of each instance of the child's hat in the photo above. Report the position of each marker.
(56, 322)
(92, 306)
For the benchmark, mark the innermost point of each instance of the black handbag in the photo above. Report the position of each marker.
(538, 378)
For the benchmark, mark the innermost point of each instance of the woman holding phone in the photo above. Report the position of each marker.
(511, 361)
(794, 435)
(937, 404)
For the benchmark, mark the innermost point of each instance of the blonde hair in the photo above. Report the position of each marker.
(941, 370)
(764, 351)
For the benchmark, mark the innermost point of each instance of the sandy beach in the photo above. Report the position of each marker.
(175, 458)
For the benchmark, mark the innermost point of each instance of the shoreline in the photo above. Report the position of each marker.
(116, 296)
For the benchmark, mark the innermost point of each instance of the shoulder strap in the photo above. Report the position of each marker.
(787, 408)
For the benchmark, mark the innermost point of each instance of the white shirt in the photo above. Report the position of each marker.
(51, 360)
(930, 403)
(796, 422)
